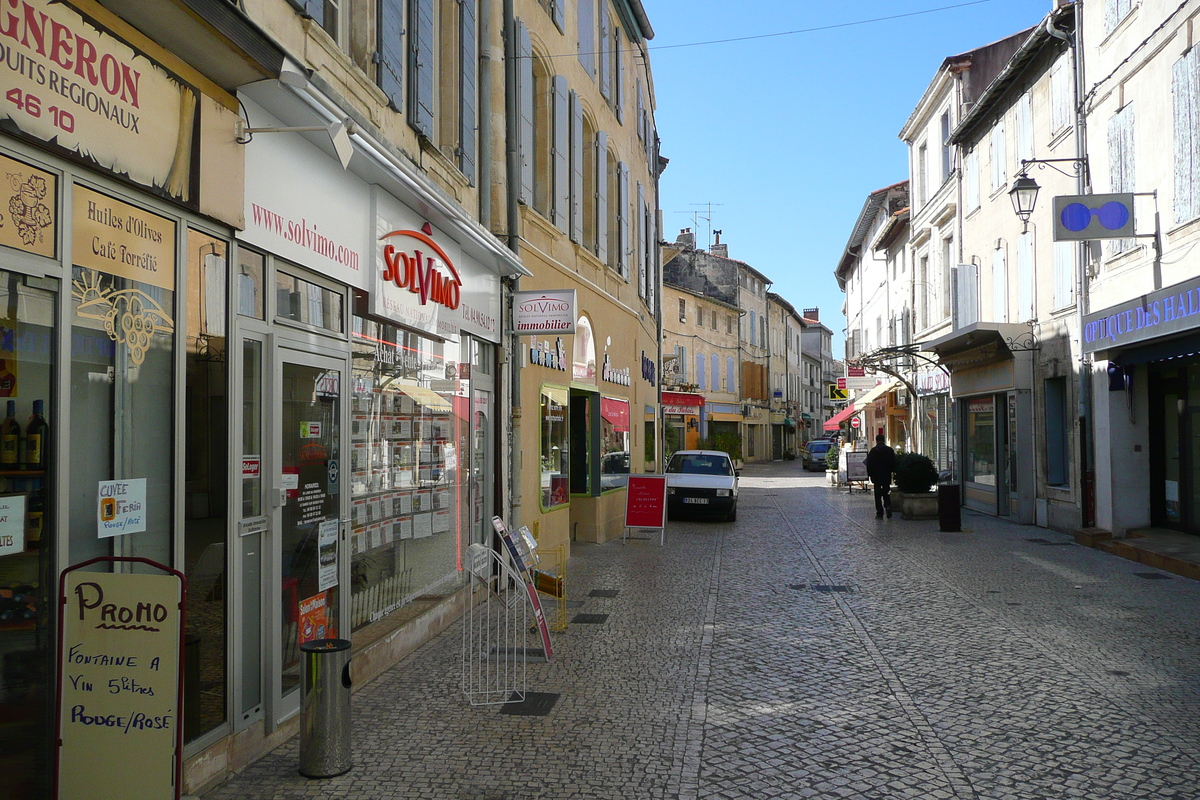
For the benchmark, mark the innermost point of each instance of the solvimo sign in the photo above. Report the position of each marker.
(536, 313)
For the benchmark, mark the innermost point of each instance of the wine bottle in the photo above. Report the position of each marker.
(35, 516)
(10, 437)
(37, 436)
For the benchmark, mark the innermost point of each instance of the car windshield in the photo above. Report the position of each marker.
(818, 447)
(696, 464)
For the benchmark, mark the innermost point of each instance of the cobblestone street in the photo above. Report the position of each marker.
(810, 650)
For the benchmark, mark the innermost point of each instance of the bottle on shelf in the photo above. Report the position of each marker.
(35, 517)
(37, 438)
(10, 438)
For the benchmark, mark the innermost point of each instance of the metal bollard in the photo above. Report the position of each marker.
(325, 709)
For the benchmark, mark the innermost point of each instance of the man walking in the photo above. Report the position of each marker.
(881, 463)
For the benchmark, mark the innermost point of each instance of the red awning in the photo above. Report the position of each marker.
(832, 423)
(682, 399)
(616, 412)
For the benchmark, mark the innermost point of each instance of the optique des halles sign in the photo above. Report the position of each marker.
(537, 313)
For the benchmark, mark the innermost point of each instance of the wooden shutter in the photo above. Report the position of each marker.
(622, 242)
(641, 116)
(641, 241)
(587, 35)
(389, 52)
(577, 182)
(1121, 163)
(999, 286)
(602, 196)
(468, 145)
(1025, 311)
(525, 101)
(1184, 78)
(1025, 127)
(558, 14)
(421, 66)
(605, 56)
(619, 70)
(560, 150)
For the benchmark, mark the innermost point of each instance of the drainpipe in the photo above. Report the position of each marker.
(485, 113)
(512, 186)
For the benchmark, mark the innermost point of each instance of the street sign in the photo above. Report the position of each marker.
(838, 393)
(1093, 216)
(856, 372)
(841, 384)
(854, 423)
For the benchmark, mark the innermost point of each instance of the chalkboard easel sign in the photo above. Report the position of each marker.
(120, 682)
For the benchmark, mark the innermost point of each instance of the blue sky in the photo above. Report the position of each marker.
(790, 133)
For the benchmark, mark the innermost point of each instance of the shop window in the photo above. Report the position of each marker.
(1057, 422)
(554, 448)
(308, 303)
(206, 478)
(251, 283)
(980, 466)
(122, 378)
(27, 541)
(582, 415)
(614, 443)
(408, 495)
(648, 447)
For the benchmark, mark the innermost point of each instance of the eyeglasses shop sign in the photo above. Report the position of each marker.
(536, 313)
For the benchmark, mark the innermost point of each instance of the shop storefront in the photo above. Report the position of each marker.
(114, 248)
(933, 420)
(1146, 399)
(989, 384)
(681, 419)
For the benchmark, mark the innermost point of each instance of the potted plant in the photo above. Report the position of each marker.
(915, 477)
(831, 464)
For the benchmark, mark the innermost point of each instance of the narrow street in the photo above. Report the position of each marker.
(810, 650)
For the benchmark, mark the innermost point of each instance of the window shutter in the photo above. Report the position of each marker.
(587, 35)
(1121, 163)
(468, 147)
(700, 371)
(1025, 310)
(1025, 127)
(1061, 95)
(1064, 274)
(390, 52)
(1184, 90)
(999, 286)
(421, 67)
(576, 168)
(716, 372)
(558, 14)
(619, 70)
(560, 154)
(622, 219)
(525, 96)
(605, 56)
(641, 241)
(602, 196)
(652, 260)
(999, 157)
(641, 115)
(972, 180)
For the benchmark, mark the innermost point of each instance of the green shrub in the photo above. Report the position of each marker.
(725, 442)
(831, 457)
(915, 473)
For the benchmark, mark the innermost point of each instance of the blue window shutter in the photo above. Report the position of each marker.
(559, 15)
(623, 219)
(587, 35)
(619, 70)
(525, 95)
(641, 116)
(641, 240)
(576, 168)
(391, 51)
(421, 66)
(605, 56)
(468, 147)
(716, 372)
(700, 371)
(602, 196)
(560, 154)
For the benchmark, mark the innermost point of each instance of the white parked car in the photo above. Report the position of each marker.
(703, 482)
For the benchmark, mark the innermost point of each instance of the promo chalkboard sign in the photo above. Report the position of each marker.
(120, 681)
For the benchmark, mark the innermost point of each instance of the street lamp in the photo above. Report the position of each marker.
(1024, 190)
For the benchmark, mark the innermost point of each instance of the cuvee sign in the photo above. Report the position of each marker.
(538, 313)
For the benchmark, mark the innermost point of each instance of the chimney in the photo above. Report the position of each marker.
(686, 239)
(719, 249)
(812, 313)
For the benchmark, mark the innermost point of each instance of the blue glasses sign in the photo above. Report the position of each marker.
(1093, 216)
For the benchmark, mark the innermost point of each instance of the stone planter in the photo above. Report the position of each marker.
(915, 505)
(831, 475)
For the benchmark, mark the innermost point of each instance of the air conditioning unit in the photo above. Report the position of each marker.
(902, 396)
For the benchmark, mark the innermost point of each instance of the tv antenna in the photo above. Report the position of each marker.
(707, 217)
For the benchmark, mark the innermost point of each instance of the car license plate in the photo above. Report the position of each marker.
(697, 500)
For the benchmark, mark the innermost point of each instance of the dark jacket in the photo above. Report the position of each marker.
(881, 463)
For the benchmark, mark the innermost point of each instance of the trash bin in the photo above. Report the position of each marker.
(325, 708)
(949, 507)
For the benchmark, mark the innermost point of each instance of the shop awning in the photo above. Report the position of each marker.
(837, 419)
(721, 416)
(616, 412)
(431, 400)
(874, 394)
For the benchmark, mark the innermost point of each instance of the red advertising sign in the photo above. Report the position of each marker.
(646, 502)
(251, 466)
(856, 372)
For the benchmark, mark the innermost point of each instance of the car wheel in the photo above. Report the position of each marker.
(732, 515)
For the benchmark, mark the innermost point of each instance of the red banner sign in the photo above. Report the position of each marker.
(646, 502)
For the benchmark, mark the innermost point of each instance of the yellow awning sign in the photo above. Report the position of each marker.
(877, 392)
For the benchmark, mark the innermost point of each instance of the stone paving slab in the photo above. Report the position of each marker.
(952, 665)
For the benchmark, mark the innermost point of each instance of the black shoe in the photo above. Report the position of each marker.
(889, 513)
